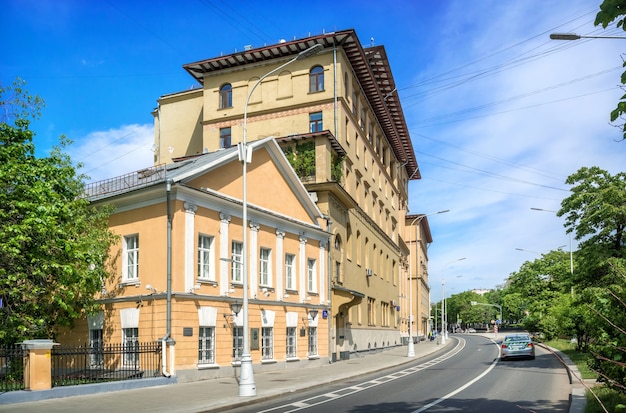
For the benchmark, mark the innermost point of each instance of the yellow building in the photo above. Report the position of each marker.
(419, 237)
(179, 280)
(336, 114)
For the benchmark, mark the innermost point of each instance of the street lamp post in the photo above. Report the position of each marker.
(247, 386)
(411, 349)
(574, 36)
(571, 253)
(444, 327)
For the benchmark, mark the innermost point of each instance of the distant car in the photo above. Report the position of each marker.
(471, 330)
(517, 345)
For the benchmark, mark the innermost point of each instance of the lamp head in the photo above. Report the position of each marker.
(236, 308)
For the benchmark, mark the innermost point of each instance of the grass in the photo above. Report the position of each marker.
(580, 359)
(613, 401)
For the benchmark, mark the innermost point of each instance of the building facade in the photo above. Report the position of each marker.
(337, 116)
(176, 273)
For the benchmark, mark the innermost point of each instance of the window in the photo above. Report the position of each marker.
(205, 257)
(225, 138)
(265, 266)
(96, 348)
(315, 122)
(236, 258)
(131, 346)
(290, 283)
(311, 274)
(312, 341)
(371, 315)
(316, 79)
(338, 271)
(291, 342)
(267, 343)
(237, 343)
(226, 96)
(130, 270)
(206, 345)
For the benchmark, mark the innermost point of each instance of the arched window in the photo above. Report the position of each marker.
(226, 96)
(316, 79)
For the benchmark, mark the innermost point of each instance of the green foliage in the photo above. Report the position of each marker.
(337, 168)
(610, 11)
(302, 158)
(596, 213)
(612, 401)
(52, 244)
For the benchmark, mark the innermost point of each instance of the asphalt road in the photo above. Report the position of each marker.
(469, 379)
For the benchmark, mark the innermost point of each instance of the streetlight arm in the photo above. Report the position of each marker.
(574, 36)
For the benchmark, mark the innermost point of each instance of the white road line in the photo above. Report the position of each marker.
(306, 403)
(452, 393)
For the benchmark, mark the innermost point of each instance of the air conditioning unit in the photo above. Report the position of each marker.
(368, 272)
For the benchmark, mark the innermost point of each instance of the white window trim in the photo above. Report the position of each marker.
(265, 272)
(125, 257)
(211, 258)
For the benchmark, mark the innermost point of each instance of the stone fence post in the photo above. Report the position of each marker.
(38, 364)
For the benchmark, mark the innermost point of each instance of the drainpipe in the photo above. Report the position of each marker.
(167, 339)
(335, 88)
(329, 224)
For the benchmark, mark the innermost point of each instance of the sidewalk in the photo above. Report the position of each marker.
(217, 395)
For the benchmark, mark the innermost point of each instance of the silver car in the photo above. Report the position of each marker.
(517, 345)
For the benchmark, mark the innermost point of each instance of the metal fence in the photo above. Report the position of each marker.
(11, 368)
(89, 364)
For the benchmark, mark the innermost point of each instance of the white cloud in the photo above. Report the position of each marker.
(115, 152)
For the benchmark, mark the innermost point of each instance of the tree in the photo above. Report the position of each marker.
(53, 245)
(596, 213)
(610, 10)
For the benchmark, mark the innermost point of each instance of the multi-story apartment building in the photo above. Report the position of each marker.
(337, 116)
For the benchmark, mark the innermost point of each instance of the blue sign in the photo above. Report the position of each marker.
(324, 314)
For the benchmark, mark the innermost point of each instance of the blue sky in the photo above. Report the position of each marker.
(499, 114)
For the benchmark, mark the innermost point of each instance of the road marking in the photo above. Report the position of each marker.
(346, 391)
(452, 393)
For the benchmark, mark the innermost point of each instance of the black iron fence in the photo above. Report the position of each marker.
(11, 368)
(89, 364)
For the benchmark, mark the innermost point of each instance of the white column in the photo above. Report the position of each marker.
(322, 271)
(253, 281)
(302, 269)
(280, 263)
(190, 213)
(224, 254)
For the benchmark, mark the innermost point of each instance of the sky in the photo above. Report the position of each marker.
(499, 114)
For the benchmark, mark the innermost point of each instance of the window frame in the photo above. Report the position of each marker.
(265, 267)
(290, 272)
(291, 342)
(316, 79)
(316, 123)
(226, 96)
(236, 262)
(130, 267)
(237, 349)
(130, 338)
(206, 270)
(225, 138)
(267, 343)
(311, 265)
(312, 341)
(206, 345)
